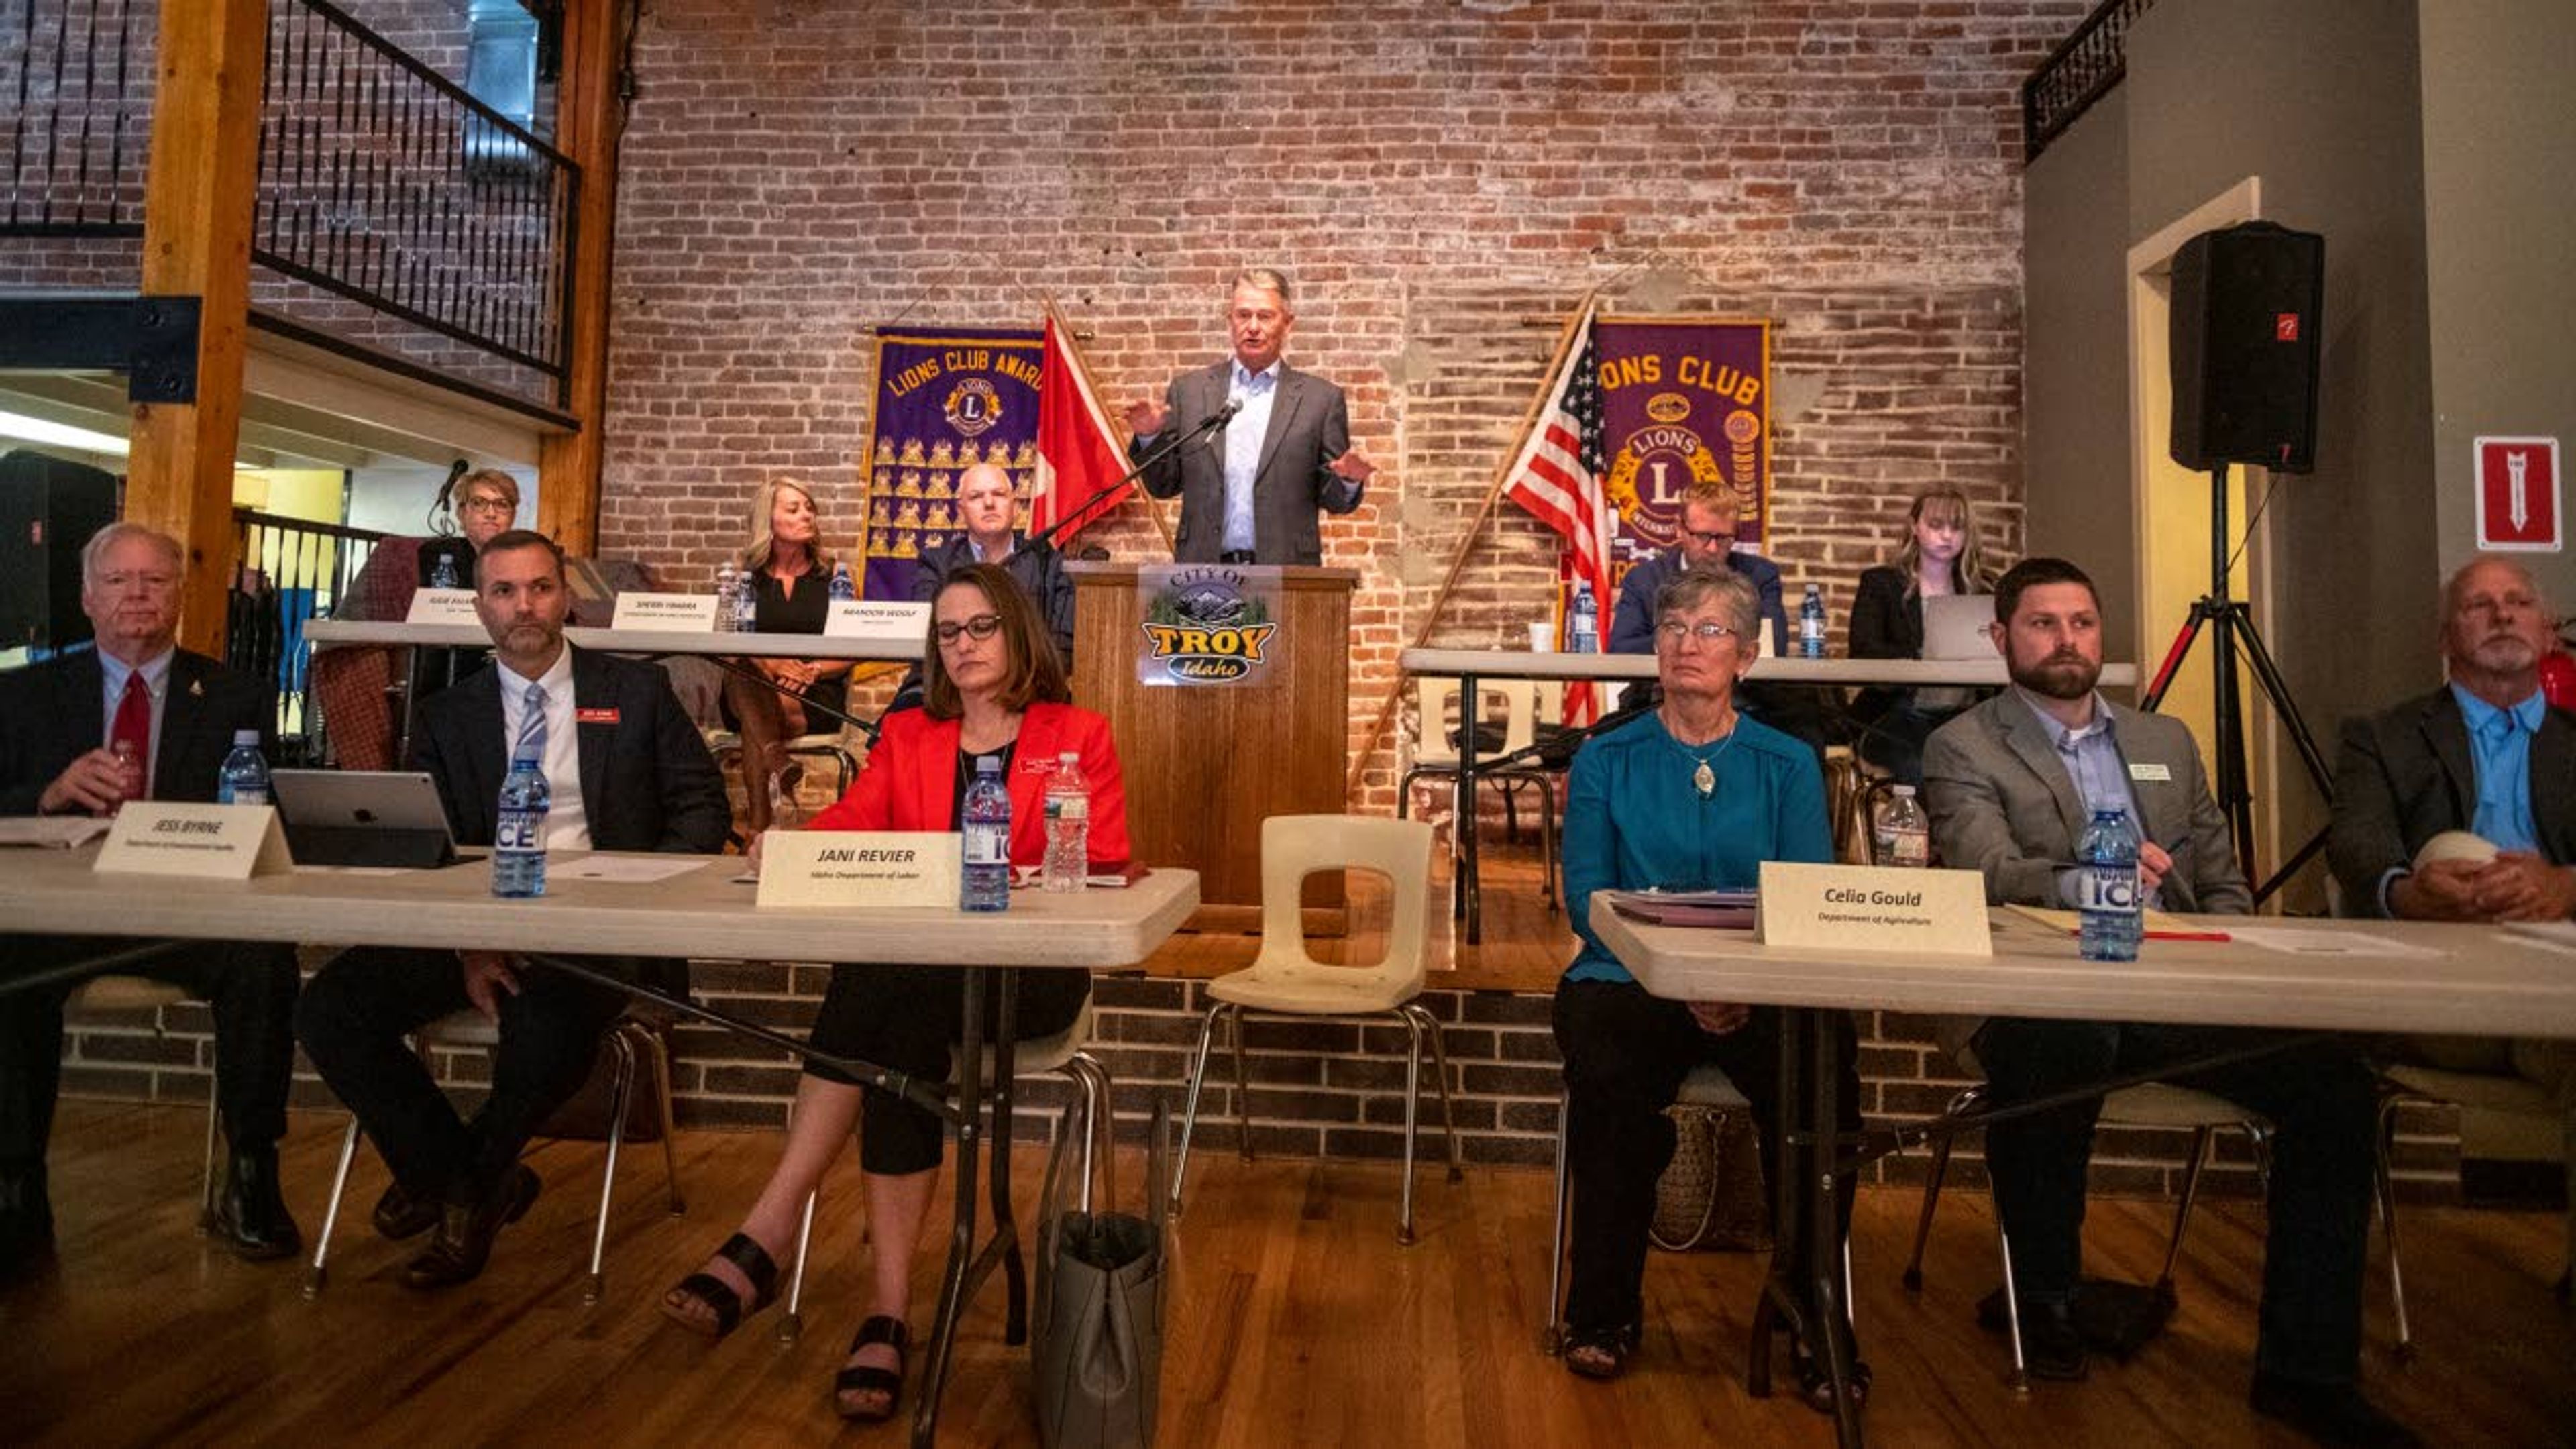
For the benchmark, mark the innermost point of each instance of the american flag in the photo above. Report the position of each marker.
(1557, 477)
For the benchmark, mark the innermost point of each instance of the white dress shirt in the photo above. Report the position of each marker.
(1243, 439)
(567, 824)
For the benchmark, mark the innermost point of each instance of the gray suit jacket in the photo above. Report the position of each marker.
(1310, 426)
(2406, 775)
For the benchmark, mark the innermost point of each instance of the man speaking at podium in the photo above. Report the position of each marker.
(1276, 446)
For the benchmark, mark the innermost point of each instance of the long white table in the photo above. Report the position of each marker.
(622, 641)
(705, 912)
(2397, 975)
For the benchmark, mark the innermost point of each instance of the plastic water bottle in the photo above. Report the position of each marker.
(1068, 825)
(987, 824)
(1583, 621)
(725, 579)
(843, 587)
(746, 603)
(2106, 873)
(1900, 833)
(243, 780)
(1811, 624)
(519, 843)
(442, 574)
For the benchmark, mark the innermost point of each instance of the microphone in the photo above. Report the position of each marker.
(1223, 415)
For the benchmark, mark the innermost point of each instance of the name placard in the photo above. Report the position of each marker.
(1874, 909)
(859, 868)
(669, 613)
(906, 622)
(443, 606)
(205, 842)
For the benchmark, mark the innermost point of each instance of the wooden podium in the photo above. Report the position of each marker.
(1206, 764)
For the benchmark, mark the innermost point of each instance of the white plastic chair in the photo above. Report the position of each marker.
(1285, 981)
(1706, 1086)
(472, 1028)
(2405, 1083)
(143, 993)
(1436, 699)
(1064, 1053)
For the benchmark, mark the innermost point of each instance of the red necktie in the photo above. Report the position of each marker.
(134, 727)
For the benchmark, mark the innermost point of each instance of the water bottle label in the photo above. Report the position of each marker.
(245, 795)
(987, 846)
(1905, 847)
(2107, 889)
(1071, 809)
(519, 830)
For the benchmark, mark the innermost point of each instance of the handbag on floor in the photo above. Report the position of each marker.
(1711, 1196)
(1096, 1355)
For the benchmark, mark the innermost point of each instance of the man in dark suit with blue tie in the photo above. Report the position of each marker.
(627, 771)
(176, 713)
(1250, 488)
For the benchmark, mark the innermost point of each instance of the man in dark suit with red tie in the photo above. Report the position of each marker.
(79, 734)
(627, 771)
(1250, 488)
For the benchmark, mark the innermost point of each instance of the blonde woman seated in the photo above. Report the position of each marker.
(791, 574)
(994, 687)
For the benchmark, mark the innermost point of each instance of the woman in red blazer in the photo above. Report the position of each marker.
(992, 686)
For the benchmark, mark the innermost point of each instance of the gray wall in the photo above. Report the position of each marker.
(2075, 366)
(2499, 147)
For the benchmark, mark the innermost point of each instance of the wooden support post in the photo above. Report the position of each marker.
(589, 117)
(198, 199)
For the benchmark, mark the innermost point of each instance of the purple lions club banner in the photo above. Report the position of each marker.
(948, 398)
(1685, 400)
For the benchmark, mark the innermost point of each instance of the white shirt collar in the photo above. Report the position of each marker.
(556, 681)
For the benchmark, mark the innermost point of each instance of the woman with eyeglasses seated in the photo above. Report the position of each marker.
(1692, 797)
(994, 688)
(791, 579)
(1939, 555)
(350, 681)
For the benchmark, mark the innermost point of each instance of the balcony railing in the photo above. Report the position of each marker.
(291, 571)
(2081, 70)
(76, 116)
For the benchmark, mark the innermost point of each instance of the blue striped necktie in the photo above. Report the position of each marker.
(532, 728)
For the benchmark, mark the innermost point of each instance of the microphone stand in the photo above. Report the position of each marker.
(1044, 539)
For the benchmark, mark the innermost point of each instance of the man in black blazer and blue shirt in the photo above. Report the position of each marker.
(56, 722)
(1250, 489)
(627, 771)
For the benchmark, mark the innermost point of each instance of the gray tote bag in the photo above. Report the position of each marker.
(1097, 1354)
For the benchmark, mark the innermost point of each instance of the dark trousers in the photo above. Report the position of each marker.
(249, 984)
(909, 1018)
(1626, 1053)
(2318, 1096)
(357, 1010)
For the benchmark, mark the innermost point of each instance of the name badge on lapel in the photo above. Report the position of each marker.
(2162, 774)
(595, 716)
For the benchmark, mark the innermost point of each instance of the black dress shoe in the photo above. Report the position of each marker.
(463, 1243)
(2333, 1414)
(250, 1216)
(2052, 1345)
(400, 1215)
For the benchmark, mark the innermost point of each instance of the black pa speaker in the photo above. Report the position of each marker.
(2248, 305)
(48, 508)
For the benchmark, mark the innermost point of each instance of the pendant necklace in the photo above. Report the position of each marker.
(1703, 778)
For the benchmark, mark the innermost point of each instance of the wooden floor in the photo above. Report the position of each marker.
(1296, 1321)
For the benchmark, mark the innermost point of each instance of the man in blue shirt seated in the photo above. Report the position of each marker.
(2008, 783)
(2484, 754)
(1708, 540)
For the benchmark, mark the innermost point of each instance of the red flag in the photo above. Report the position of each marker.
(1557, 477)
(1078, 453)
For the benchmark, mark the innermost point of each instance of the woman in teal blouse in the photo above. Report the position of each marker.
(1691, 797)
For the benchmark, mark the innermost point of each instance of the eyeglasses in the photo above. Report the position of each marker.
(502, 506)
(1707, 631)
(982, 626)
(1710, 539)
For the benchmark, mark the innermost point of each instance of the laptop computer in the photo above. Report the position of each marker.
(363, 817)
(1955, 626)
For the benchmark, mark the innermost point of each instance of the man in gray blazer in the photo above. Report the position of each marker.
(2485, 754)
(1250, 487)
(2011, 785)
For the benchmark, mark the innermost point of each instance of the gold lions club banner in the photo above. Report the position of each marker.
(1685, 400)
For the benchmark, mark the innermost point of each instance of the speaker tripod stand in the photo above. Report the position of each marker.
(2233, 637)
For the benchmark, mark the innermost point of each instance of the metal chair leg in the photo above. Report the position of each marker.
(2019, 1379)
(2200, 1139)
(1548, 879)
(1551, 1336)
(670, 1122)
(1440, 1078)
(2386, 1195)
(1242, 1087)
(618, 1095)
(206, 1189)
(792, 1322)
(1190, 1107)
(320, 1271)
(1412, 1108)
(1960, 1105)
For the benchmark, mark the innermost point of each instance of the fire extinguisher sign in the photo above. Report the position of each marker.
(2518, 494)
